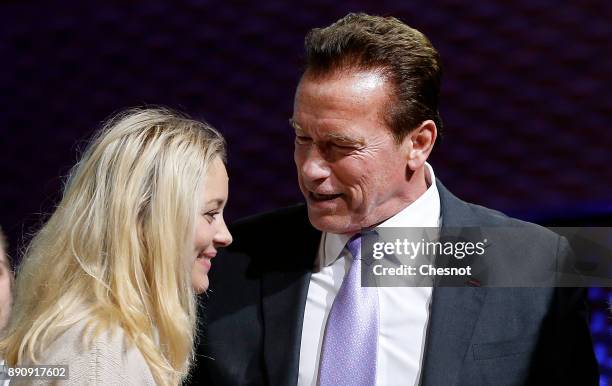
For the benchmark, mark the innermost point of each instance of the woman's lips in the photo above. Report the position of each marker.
(205, 258)
(205, 261)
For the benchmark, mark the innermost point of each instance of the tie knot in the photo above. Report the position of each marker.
(354, 246)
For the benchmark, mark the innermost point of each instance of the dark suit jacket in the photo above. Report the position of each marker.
(252, 316)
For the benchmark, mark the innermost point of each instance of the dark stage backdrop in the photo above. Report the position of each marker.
(525, 101)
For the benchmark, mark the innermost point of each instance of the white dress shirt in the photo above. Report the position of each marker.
(404, 311)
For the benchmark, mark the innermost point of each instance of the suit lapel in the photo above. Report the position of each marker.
(284, 290)
(453, 316)
(454, 310)
(284, 299)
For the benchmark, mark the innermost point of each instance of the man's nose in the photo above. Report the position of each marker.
(315, 166)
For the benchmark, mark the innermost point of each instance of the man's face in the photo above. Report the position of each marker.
(350, 168)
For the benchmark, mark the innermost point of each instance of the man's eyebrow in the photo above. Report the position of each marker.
(333, 136)
(345, 139)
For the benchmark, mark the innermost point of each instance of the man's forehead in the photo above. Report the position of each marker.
(355, 89)
(354, 85)
(374, 76)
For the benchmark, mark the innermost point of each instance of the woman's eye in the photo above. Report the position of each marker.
(211, 216)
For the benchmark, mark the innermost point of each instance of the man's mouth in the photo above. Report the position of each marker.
(323, 197)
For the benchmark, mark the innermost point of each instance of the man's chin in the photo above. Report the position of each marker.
(332, 223)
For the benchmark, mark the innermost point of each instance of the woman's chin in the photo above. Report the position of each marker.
(200, 284)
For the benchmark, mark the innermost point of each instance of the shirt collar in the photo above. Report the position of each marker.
(423, 212)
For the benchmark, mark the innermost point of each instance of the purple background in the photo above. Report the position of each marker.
(526, 98)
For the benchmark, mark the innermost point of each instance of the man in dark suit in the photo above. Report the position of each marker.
(285, 308)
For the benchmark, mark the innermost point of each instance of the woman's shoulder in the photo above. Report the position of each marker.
(108, 359)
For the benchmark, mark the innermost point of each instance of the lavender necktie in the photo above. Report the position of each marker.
(348, 354)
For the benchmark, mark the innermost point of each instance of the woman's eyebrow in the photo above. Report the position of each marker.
(218, 201)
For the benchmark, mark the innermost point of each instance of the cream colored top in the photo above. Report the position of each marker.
(106, 362)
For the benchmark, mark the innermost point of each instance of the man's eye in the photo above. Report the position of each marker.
(343, 147)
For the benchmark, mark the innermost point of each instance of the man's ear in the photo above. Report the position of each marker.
(419, 143)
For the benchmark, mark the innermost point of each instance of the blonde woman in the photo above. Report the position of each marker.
(107, 285)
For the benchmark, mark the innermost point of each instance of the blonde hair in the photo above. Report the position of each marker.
(114, 251)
